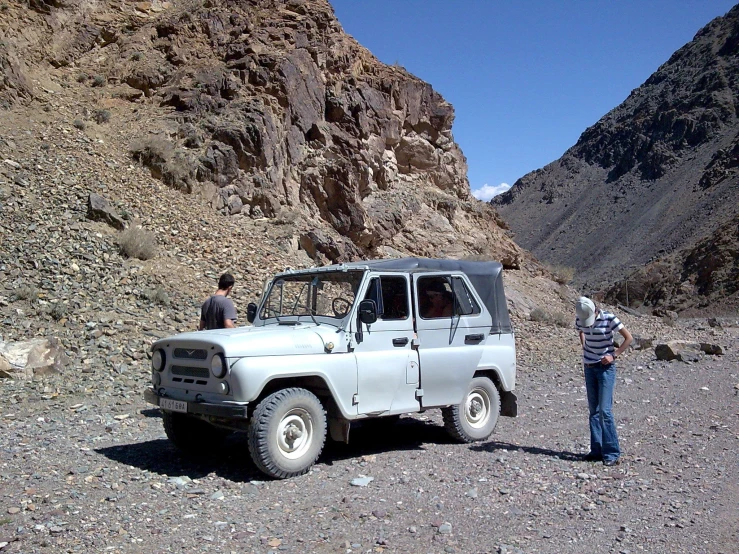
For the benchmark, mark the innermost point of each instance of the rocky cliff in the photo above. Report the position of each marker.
(656, 177)
(147, 147)
(268, 110)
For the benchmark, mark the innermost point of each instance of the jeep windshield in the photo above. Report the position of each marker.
(326, 294)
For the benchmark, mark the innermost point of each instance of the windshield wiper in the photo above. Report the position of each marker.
(310, 313)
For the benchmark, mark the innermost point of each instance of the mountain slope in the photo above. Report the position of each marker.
(654, 176)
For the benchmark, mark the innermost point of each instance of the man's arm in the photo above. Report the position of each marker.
(626, 342)
(609, 358)
(229, 315)
(201, 325)
(582, 339)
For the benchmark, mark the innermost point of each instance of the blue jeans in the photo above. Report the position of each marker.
(599, 382)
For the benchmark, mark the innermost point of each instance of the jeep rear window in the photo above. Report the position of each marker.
(317, 294)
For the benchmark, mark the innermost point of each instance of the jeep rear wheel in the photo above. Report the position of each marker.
(190, 434)
(476, 417)
(287, 432)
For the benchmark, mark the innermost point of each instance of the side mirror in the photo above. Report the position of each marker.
(251, 312)
(367, 311)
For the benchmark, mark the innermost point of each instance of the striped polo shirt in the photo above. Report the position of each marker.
(599, 337)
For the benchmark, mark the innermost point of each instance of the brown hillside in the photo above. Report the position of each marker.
(266, 108)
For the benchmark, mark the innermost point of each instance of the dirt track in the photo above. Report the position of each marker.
(84, 472)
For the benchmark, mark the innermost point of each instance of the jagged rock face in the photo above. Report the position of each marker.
(273, 108)
(654, 176)
(14, 83)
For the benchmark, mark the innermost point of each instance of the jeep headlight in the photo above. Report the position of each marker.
(218, 366)
(158, 359)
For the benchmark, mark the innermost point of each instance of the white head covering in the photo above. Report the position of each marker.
(585, 311)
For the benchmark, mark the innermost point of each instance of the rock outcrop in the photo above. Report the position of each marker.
(268, 109)
(655, 176)
(26, 359)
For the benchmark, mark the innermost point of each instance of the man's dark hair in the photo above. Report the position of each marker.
(226, 280)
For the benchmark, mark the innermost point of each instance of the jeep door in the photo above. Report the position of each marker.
(452, 327)
(387, 366)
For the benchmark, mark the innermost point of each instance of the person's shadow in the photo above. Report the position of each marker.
(494, 446)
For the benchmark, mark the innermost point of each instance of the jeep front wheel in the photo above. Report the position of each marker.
(287, 432)
(476, 417)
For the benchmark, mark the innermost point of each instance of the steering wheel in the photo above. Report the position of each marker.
(340, 306)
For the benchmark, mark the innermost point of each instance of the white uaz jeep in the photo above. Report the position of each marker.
(342, 343)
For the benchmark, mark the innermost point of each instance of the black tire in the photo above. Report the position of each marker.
(192, 435)
(476, 417)
(287, 432)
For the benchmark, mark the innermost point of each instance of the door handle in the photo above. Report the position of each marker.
(473, 339)
(400, 342)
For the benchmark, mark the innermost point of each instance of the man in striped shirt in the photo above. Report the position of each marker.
(596, 328)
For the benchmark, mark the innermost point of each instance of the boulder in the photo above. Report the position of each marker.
(663, 312)
(712, 349)
(27, 359)
(642, 343)
(324, 248)
(99, 209)
(682, 350)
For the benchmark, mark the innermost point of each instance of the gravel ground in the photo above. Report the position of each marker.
(85, 467)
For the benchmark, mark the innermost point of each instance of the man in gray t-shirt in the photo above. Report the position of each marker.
(218, 311)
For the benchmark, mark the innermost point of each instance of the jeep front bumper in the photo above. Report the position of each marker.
(232, 411)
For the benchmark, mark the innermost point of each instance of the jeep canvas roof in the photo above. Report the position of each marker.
(486, 277)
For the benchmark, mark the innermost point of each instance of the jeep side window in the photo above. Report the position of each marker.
(394, 297)
(466, 304)
(391, 297)
(435, 297)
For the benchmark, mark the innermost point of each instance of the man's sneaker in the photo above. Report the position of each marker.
(591, 457)
(609, 463)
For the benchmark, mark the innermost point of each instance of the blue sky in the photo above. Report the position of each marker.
(526, 77)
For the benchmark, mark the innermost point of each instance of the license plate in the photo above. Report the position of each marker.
(173, 405)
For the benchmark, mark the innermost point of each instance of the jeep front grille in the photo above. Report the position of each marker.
(190, 354)
(201, 372)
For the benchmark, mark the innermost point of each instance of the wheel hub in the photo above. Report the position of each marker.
(295, 433)
(478, 408)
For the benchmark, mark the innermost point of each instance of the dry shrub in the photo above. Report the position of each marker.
(563, 320)
(137, 242)
(537, 314)
(26, 293)
(58, 311)
(156, 296)
(561, 274)
(101, 116)
(558, 319)
(167, 163)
